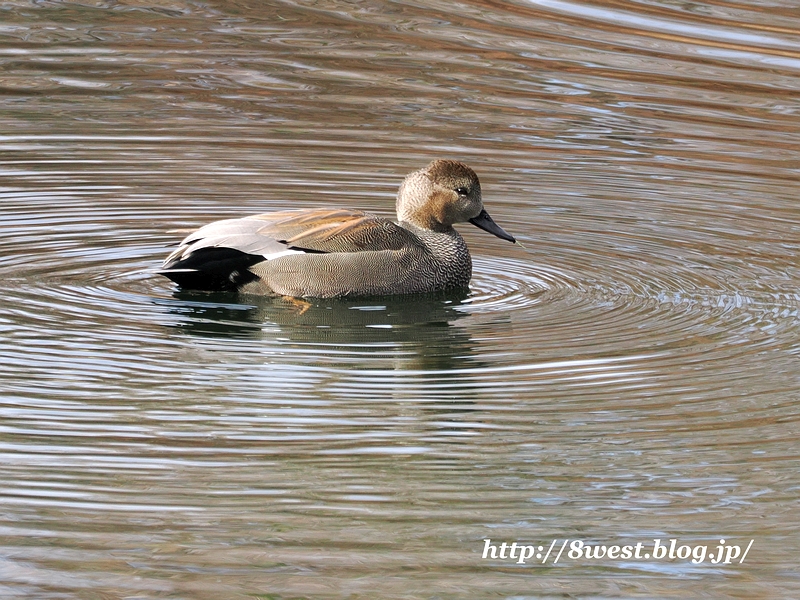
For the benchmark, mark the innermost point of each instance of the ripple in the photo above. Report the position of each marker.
(507, 284)
(632, 375)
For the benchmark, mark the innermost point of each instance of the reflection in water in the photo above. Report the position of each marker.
(633, 375)
(416, 332)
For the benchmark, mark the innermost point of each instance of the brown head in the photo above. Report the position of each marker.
(443, 193)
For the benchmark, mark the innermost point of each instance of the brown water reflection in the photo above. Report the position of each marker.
(632, 376)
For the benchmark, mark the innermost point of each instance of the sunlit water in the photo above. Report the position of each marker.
(633, 375)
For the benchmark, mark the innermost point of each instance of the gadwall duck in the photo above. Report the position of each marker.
(338, 252)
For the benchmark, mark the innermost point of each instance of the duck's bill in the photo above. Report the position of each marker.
(485, 222)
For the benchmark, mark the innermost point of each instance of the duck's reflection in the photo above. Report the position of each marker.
(417, 332)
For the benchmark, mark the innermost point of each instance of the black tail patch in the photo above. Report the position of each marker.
(213, 269)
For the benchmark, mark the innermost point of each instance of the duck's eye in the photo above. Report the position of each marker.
(462, 191)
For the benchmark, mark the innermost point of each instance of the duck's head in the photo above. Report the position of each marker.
(443, 193)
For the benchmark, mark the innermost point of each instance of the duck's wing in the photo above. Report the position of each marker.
(219, 255)
(320, 230)
(241, 235)
(335, 230)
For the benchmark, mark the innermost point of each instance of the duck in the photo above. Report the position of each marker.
(336, 252)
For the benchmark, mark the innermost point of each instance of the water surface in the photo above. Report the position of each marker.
(633, 375)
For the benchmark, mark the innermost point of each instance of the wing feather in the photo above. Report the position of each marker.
(286, 232)
(340, 231)
(237, 234)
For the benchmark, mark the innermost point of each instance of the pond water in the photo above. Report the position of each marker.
(630, 375)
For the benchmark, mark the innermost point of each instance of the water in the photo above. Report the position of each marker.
(632, 376)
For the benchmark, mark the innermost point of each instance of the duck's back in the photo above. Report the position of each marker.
(319, 253)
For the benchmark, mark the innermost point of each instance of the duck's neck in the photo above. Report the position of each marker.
(449, 252)
(426, 222)
(443, 235)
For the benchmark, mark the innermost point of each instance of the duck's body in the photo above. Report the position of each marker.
(328, 253)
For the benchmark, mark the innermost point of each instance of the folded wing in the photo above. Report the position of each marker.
(218, 255)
